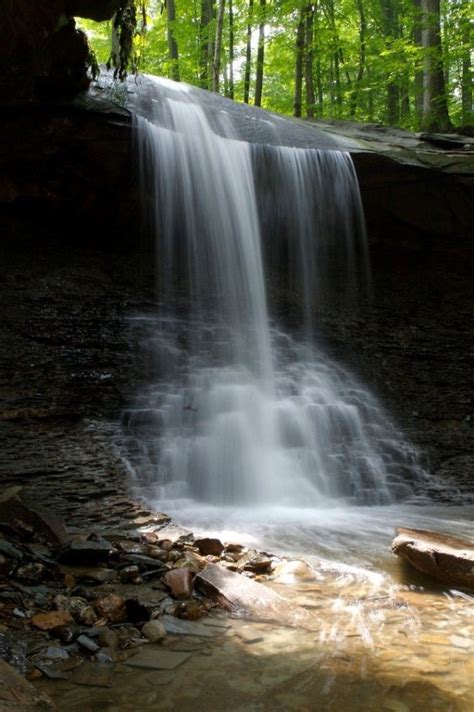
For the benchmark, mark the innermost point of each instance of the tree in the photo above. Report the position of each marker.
(260, 55)
(172, 44)
(300, 46)
(216, 66)
(248, 53)
(435, 105)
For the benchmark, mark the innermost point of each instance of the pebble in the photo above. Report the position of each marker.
(87, 643)
(154, 631)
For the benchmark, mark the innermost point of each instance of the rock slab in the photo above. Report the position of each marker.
(18, 694)
(251, 598)
(446, 558)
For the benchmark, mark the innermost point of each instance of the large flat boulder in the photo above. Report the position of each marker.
(446, 558)
(251, 599)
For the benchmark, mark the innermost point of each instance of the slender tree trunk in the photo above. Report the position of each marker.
(362, 47)
(418, 67)
(211, 43)
(319, 85)
(336, 96)
(435, 104)
(231, 50)
(309, 61)
(260, 55)
(248, 53)
(466, 87)
(206, 15)
(299, 65)
(172, 44)
(405, 96)
(216, 65)
(391, 31)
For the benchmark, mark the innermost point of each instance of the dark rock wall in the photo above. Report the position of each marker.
(74, 268)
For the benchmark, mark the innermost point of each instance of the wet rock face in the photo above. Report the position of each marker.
(74, 268)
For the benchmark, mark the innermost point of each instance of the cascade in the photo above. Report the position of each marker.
(248, 409)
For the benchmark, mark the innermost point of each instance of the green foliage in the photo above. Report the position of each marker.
(355, 67)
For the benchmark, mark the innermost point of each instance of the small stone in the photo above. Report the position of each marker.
(291, 571)
(105, 655)
(86, 552)
(156, 659)
(51, 620)
(94, 675)
(166, 545)
(234, 548)
(208, 546)
(108, 638)
(154, 631)
(111, 607)
(31, 573)
(180, 581)
(130, 574)
(9, 550)
(54, 653)
(174, 534)
(190, 610)
(69, 581)
(259, 564)
(87, 573)
(88, 643)
(176, 626)
(86, 616)
(66, 633)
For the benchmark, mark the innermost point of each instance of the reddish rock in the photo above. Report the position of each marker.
(111, 607)
(180, 581)
(209, 547)
(53, 619)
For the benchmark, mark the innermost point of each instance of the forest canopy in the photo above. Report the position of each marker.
(405, 63)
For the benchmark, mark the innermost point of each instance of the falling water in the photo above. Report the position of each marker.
(245, 410)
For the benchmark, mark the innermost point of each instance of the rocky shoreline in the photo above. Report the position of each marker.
(74, 603)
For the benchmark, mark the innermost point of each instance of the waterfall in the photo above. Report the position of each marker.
(246, 409)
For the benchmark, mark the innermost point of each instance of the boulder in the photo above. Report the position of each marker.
(293, 571)
(180, 582)
(209, 547)
(251, 598)
(14, 507)
(18, 694)
(446, 558)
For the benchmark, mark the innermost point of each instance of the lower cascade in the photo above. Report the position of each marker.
(247, 407)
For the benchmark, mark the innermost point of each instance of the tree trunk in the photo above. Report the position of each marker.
(435, 104)
(418, 68)
(248, 53)
(172, 44)
(206, 15)
(231, 50)
(216, 65)
(361, 70)
(299, 65)
(260, 55)
(466, 89)
(391, 32)
(308, 61)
